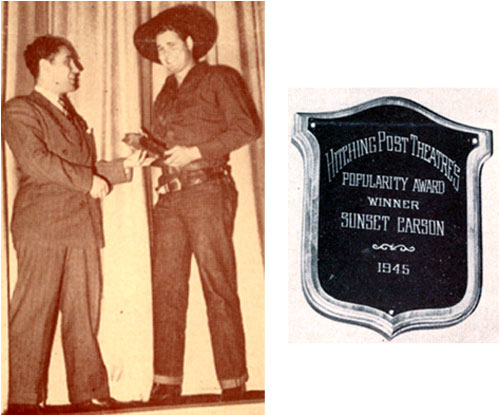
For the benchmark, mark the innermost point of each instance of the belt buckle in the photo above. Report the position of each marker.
(173, 185)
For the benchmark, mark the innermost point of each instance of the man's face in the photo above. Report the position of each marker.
(173, 52)
(63, 71)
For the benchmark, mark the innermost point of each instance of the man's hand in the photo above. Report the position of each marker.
(138, 158)
(133, 136)
(100, 187)
(180, 156)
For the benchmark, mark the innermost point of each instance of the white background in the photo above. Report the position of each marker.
(470, 106)
(322, 44)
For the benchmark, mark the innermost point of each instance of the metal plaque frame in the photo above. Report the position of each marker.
(387, 325)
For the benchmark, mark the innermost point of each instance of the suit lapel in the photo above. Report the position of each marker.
(70, 131)
(82, 126)
(74, 134)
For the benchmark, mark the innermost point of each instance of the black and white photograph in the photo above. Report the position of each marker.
(391, 237)
(342, 58)
(132, 207)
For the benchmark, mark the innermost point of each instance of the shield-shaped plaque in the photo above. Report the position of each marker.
(391, 235)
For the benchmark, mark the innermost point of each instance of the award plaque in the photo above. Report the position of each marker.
(391, 234)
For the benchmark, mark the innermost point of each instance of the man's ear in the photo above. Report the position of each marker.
(190, 43)
(43, 65)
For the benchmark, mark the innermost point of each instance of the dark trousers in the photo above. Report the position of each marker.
(52, 279)
(198, 220)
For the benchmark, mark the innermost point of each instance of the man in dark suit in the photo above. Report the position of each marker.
(202, 113)
(57, 232)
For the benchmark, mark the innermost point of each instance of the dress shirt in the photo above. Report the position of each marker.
(52, 97)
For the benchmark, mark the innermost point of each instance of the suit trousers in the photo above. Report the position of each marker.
(198, 220)
(53, 279)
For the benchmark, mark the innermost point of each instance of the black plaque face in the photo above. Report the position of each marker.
(392, 217)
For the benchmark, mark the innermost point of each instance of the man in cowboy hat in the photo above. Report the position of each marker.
(202, 114)
(57, 233)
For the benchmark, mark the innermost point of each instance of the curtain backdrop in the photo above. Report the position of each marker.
(116, 95)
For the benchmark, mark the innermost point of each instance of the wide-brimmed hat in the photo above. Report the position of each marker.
(193, 20)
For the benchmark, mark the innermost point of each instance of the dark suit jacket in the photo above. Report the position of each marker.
(56, 159)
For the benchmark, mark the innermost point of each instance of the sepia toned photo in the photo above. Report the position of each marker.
(132, 207)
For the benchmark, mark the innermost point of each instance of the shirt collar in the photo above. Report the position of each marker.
(182, 75)
(196, 72)
(51, 96)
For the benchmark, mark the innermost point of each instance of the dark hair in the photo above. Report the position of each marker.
(45, 47)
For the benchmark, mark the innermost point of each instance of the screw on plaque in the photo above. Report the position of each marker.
(391, 312)
(475, 141)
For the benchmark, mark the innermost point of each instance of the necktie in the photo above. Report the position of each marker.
(67, 109)
(71, 114)
(64, 106)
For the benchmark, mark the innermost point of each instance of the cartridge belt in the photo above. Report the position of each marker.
(190, 178)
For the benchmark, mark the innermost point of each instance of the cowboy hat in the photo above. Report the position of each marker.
(191, 20)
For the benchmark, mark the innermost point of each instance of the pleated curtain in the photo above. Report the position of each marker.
(116, 94)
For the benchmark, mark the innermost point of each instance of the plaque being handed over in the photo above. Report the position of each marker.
(391, 235)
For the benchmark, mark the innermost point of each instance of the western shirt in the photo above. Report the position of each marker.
(211, 109)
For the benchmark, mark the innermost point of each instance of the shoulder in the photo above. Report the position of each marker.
(223, 72)
(225, 79)
(20, 112)
(18, 102)
(19, 106)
